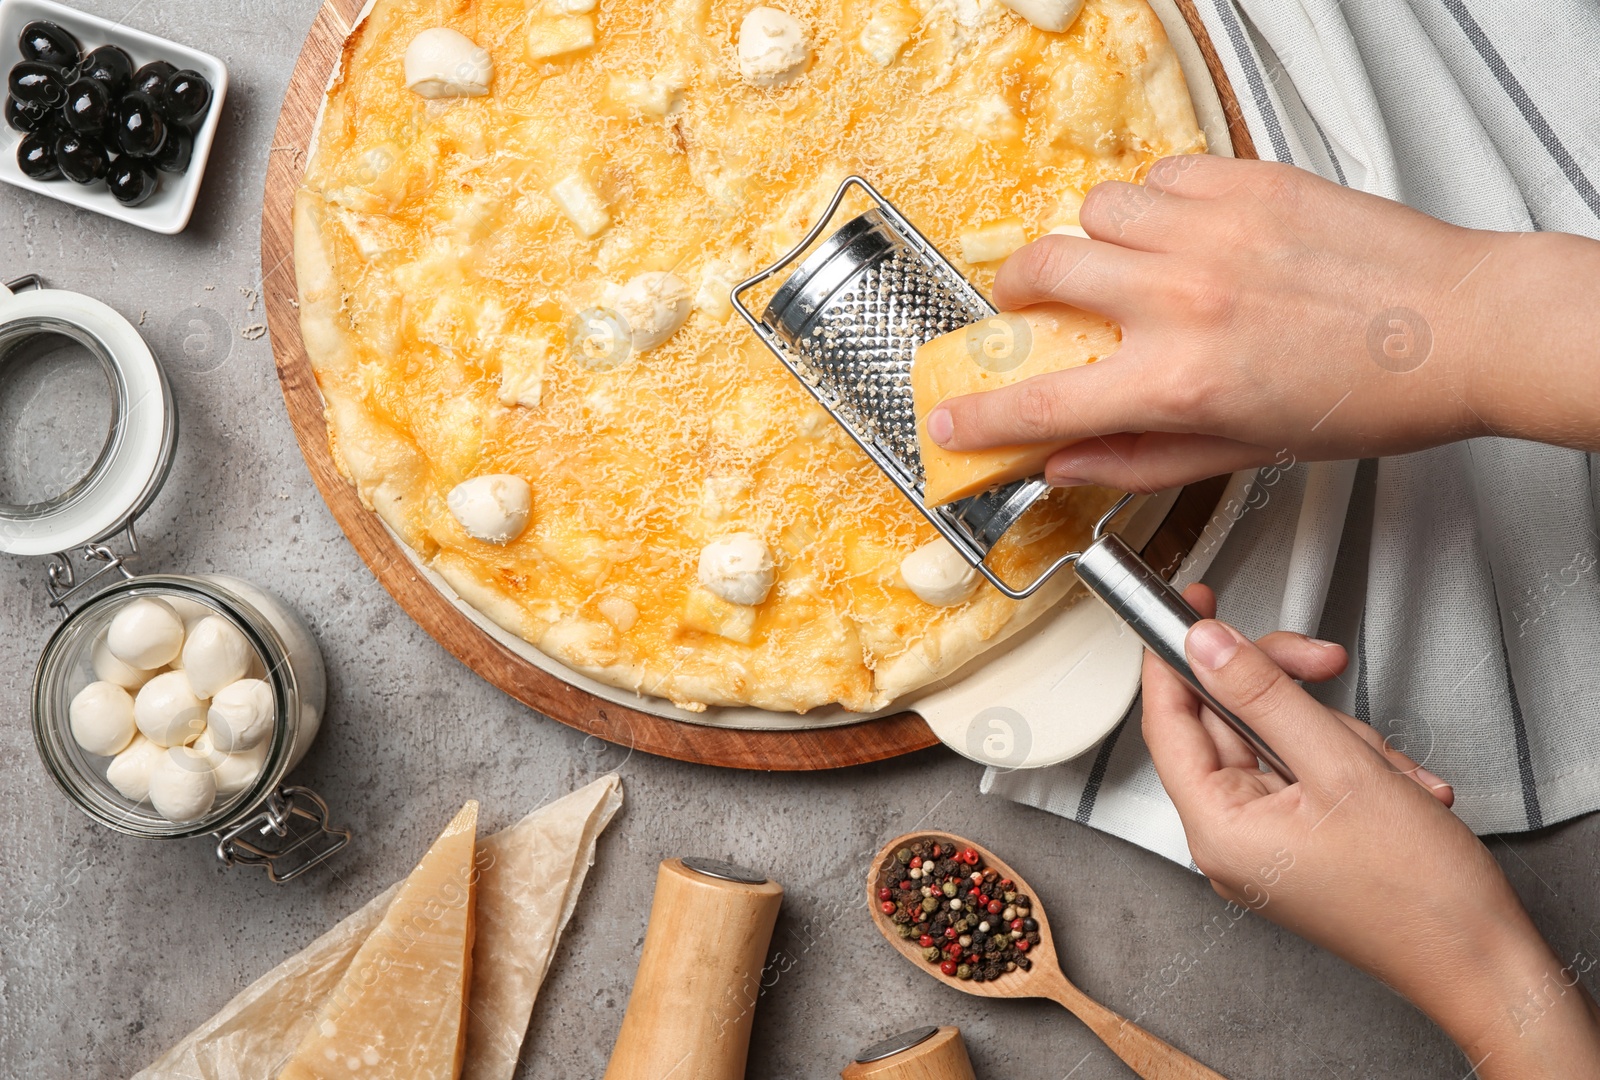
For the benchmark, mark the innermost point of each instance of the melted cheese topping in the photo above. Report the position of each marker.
(459, 241)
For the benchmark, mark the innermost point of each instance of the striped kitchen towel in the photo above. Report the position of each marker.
(1463, 579)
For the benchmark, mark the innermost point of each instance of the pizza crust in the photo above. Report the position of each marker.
(406, 337)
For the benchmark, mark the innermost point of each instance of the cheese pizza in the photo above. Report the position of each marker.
(518, 230)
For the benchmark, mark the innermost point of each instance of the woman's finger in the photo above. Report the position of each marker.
(1302, 658)
(1058, 407)
(1305, 658)
(1151, 461)
(1183, 752)
(1231, 751)
(1138, 216)
(1202, 176)
(1188, 744)
(1401, 761)
(1103, 278)
(1244, 679)
(1190, 741)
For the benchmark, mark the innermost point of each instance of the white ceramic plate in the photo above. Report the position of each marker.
(169, 209)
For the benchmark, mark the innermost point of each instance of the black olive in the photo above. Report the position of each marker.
(131, 181)
(82, 158)
(88, 107)
(48, 42)
(27, 115)
(39, 83)
(179, 151)
(36, 156)
(140, 129)
(111, 66)
(153, 77)
(186, 99)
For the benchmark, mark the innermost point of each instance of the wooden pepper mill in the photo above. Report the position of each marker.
(699, 977)
(925, 1053)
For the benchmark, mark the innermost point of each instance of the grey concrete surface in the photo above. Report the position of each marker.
(113, 948)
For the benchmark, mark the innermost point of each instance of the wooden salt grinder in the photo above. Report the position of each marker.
(699, 977)
(926, 1053)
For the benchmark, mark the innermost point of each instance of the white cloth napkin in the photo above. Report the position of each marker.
(1463, 579)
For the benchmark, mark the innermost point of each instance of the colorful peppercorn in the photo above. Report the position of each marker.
(962, 915)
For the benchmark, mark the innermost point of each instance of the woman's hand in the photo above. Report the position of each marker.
(1362, 855)
(1265, 310)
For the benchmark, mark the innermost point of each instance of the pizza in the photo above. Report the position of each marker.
(519, 225)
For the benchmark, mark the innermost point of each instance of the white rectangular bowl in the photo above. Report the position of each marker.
(169, 209)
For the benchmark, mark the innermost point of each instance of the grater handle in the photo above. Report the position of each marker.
(1161, 618)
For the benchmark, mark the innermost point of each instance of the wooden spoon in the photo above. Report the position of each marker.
(1143, 1052)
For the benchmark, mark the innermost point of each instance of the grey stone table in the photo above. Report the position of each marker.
(114, 948)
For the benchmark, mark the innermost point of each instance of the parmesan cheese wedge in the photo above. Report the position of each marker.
(400, 1011)
(530, 877)
(987, 355)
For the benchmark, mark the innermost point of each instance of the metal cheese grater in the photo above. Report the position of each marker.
(848, 321)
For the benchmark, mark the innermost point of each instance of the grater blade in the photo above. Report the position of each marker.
(848, 321)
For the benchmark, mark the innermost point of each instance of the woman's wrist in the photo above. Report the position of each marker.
(1531, 337)
(1517, 1012)
(1434, 341)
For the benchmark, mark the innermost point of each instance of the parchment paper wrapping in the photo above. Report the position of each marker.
(531, 875)
(535, 876)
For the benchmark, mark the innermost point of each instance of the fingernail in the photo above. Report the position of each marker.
(1211, 645)
(1066, 481)
(1430, 780)
(940, 426)
(1319, 643)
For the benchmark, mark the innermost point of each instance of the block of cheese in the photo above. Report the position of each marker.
(987, 355)
(529, 879)
(400, 1012)
(705, 611)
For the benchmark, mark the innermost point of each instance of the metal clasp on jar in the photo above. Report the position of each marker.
(284, 850)
(64, 583)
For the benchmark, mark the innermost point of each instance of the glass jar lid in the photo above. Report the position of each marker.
(127, 470)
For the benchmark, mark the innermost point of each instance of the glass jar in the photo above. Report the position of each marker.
(87, 532)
